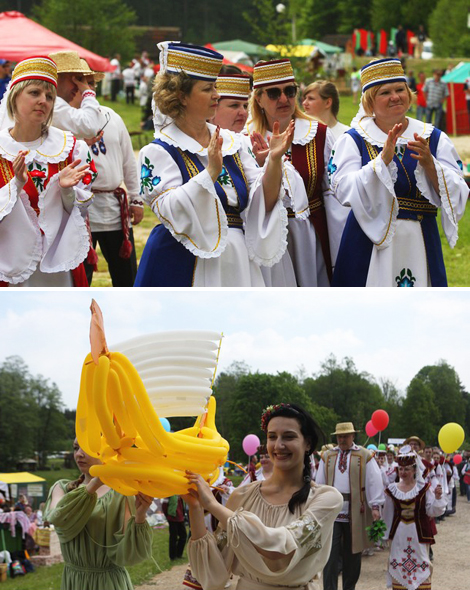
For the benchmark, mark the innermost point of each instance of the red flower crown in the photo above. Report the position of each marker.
(267, 413)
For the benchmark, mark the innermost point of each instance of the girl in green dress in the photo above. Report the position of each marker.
(100, 531)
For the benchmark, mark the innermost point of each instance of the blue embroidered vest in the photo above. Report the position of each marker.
(166, 262)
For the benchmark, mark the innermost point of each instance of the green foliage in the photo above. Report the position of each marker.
(376, 531)
(318, 18)
(420, 414)
(267, 25)
(355, 14)
(31, 401)
(102, 27)
(448, 29)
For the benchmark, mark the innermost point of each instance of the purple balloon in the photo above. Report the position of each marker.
(250, 444)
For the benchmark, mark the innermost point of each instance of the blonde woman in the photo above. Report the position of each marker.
(321, 101)
(44, 186)
(307, 263)
(394, 172)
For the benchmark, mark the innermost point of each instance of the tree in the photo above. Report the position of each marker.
(448, 29)
(354, 14)
(102, 27)
(385, 14)
(318, 18)
(268, 25)
(420, 414)
(447, 388)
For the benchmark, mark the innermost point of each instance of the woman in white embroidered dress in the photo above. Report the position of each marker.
(44, 186)
(394, 172)
(220, 216)
(274, 533)
(409, 505)
(308, 261)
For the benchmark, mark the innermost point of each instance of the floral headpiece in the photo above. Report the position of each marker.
(268, 412)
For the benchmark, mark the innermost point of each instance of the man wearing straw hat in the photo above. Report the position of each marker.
(88, 120)
(113, 212)
(350, 469)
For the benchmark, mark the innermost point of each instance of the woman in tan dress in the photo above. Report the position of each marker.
(274, 533)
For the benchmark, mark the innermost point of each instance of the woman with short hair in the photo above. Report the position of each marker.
(220, 216)
(394, 172)
(44, 185)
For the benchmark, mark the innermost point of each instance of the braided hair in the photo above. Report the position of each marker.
(310, 431)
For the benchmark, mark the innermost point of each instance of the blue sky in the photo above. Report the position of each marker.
(390, 333)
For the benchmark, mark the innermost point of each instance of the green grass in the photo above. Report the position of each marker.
(49, 577)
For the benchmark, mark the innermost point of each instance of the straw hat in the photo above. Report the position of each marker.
(69, 62)
(421, 443)
(345, 428)
(98, 76)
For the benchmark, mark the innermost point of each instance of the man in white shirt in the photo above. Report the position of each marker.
(115, 76)
(72, 84)
(352, 471)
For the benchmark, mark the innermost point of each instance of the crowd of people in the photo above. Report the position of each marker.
(302, 517)
(247, 188)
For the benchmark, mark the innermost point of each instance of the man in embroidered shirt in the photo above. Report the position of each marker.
(88, 119)
(349, 468)
(113, 213)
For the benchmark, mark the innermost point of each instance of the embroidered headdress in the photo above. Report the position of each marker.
(406, 456)
(382, 71)
(197, 62)
(235, 86)
(278, 71)
(35, 68)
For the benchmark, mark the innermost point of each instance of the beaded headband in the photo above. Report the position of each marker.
(382, 71)
(197, 62)
(277, 71)
(233, 86)
(35, 68)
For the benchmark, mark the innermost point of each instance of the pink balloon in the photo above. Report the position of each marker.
(370, 429)
(250, 444)
(380, 420)
(457, 459)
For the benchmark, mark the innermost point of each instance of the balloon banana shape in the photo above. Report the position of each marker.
(120, 403)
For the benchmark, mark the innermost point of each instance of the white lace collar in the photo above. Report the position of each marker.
(393, 487)
(55, 148)
(369, 131)
(305, 130)
(173, 135)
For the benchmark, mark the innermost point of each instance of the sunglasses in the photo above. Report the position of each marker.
(275, 93)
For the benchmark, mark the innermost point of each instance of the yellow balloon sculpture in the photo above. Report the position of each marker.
(117, 423)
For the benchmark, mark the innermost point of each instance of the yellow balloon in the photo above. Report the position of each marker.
(451, 437)
(117, 423)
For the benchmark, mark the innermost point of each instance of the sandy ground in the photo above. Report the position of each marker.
(450, 551)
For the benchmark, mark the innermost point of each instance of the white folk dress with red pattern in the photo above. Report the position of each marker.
(43, 233)
(409, 562)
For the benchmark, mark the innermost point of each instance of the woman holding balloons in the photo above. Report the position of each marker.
(274, 533)
(100, 531)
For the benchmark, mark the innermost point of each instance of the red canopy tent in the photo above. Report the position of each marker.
(20, 37)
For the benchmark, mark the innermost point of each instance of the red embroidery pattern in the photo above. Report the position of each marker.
(343, 461)
(409, 565)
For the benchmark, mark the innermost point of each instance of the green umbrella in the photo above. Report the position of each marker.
(245, 46)
(325, 48)
(459, 74)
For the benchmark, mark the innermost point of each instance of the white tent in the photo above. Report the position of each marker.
(4, 489)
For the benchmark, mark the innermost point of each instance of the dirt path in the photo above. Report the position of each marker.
(449, 551)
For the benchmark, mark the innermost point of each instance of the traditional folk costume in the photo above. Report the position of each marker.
(43, 234)
(256, 523)
(86, 121)
(391, 237)
(407, 515)
(307, 197)
(211, 234)
(357, 476)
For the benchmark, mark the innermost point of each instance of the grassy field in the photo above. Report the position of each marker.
(457, 261)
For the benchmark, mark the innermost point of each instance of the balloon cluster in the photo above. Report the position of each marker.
(123, 406)
(378, 422)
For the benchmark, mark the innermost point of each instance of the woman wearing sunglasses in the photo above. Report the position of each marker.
(307, 262)
(221, 216)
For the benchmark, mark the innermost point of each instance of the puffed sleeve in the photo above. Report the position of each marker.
(265, 233)
(453, 190)
(132, 546)
(192, 211)
(71, 514)
(368, 190)
(251, 542)
(336, 214)
(435, 507)
(374, 484)
(387, 515)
